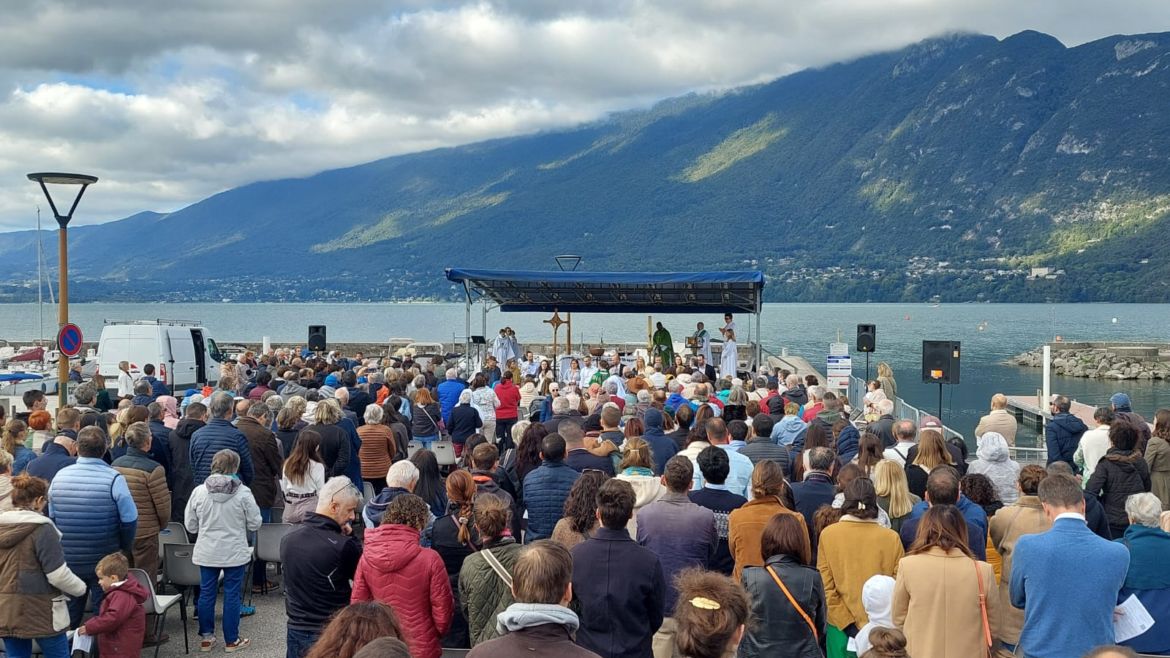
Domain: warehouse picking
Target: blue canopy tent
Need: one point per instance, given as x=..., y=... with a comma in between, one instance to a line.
x=612, y=292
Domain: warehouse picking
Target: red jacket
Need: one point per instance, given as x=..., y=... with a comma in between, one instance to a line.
x=120, y=625
x=395, y=570
x=811, y=412
x=509, y=395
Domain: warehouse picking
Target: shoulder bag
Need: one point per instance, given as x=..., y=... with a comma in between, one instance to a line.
x=989, y=645
x=808, y=620
x=497, y=567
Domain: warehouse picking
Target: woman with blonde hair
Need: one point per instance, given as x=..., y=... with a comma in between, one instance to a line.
x=335, y=448
x=636, y=467
x=885, y=377
x=889, y=481
x=745, y=526
x=932, y=452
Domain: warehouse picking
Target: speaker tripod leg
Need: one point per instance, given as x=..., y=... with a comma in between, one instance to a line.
x=940, y=417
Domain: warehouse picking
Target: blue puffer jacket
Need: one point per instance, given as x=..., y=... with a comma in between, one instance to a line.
x=1062, y=434
x=449, y=391
x=545, y=491
x=21, y=458
x=848, y=444
x=218, y=434
x=91, y=504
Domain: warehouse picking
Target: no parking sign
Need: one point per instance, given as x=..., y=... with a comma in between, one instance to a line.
x=69, y=339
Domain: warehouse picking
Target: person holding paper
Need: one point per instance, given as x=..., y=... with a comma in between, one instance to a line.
x=1148, y=577
x=1066, y=574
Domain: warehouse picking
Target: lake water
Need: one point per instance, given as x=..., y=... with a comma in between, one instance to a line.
x=805, y=329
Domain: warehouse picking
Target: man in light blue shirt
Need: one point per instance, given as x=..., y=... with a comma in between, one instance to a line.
x=531, y=366
x=739, y=478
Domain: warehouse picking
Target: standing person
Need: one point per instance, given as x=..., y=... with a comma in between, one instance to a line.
x=663, y=346
x=714, y=496
x=885, y=376
x=845, y=569
x=454, y=537
x=682, y=534
x=662, y=447
x=356, y=627
x=905, y=437
x=729, y=356
x=932, y=452
x=430, y=482
x=222, y=512
x=396, y=570
x=1023, y=517
x=1121, y=473
x=703, y=341
x=894, y=497
x=1063, y=432
x=267, y=462
x=378, y=447
x=1121, y=409
x=746, y=524
x=994, y=461
x=449, y=391
x=618, y=583
x=539, y=624
x=760, y=445
x=1148, y=577
x=1158, y=457
x=943, y=597
x=1094, y=444
x=15, y=432
x=303, y=477
x=484, y=399
x=509, y=411
x=464, y=422
x=788, y=596
x=120, y=625
x=194, y=417
x=483, y=580
x=320, y=557
x=712, y=614
x=148, y=486
x=219, y=434
x=425, y=419
x=93, y=509
x=335, y=442
x=817, y=489
x=125, y=380
x=546, y=488
x=999, y=420
x=580, y=516
x=1040, y=581
x=34, y=576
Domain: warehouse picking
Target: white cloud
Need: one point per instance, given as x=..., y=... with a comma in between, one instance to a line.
x=170, y=102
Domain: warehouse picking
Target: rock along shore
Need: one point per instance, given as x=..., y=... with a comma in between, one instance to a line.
x=1102, y=360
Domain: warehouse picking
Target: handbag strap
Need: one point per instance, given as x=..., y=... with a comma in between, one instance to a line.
x=429, y=417
x=983, y=607
x=497, y=567
x=808, y=620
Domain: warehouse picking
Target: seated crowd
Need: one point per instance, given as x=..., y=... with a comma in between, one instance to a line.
x=650, y=513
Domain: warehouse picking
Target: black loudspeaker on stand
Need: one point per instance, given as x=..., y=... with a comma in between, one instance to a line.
x=867, y=343
x=940, y=365
x=317, y=341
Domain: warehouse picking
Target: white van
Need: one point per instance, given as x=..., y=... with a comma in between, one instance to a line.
x=184, y=356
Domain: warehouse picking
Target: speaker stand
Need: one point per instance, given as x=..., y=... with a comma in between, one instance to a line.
x=940, y=400
x=867, y=369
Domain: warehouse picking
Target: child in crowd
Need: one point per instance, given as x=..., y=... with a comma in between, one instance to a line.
x=120, y=625
x=887, y=643
x=877, y=596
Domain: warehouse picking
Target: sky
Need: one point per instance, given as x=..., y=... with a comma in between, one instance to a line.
x=170, y=102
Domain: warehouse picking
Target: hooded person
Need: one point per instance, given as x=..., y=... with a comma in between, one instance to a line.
x=662, y=447
x=877, y=597
x=789, y=431
x=994, y=461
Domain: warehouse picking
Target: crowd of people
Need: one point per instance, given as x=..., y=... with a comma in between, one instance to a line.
x=643, y=511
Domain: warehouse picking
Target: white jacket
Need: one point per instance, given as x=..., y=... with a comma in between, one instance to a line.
x=222, y=512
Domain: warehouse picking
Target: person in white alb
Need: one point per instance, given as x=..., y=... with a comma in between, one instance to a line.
x=125, y=380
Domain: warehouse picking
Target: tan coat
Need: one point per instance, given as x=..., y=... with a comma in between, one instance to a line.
x=1158, y=457
x=845, y=565
x=936, y=604
x=999, y=420
x=1024, y=517
x=745, y=530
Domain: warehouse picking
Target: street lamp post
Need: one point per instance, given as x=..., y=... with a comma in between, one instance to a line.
x=51, y=178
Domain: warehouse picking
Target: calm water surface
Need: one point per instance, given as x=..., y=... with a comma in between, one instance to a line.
x=989, y=333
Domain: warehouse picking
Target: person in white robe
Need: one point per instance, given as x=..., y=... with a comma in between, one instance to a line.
x=729, y=359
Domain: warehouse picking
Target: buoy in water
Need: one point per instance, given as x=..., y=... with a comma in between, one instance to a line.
x=1114, y=320
x=907, y=318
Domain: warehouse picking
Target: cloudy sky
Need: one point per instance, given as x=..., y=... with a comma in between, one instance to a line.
x=168, y=102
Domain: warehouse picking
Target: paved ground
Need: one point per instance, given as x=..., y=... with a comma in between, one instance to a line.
x=266, y=629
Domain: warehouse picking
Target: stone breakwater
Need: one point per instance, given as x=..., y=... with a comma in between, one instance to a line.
x=1102, y=360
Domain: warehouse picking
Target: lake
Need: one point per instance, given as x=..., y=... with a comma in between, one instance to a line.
x=989, y=334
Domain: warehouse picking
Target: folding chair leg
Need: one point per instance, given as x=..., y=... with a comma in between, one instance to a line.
x=159, y=623
x=183, y=617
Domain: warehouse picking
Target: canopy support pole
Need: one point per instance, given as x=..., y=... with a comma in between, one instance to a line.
x=759, y=340
x=467, y=326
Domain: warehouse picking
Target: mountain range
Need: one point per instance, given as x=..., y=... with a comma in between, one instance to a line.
x=961, y=168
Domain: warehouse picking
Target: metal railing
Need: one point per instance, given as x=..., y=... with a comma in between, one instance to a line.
x=902, y=408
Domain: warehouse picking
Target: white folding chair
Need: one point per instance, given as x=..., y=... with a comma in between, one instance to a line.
x=412, y=447
x=444, y=452
x=157, y=605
